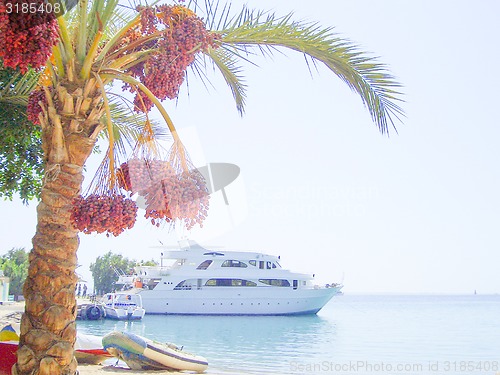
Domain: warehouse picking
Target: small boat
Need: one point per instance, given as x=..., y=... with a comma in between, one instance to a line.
x=88, y=349
x=140, y=353
x=123, y=306
x=91, y=311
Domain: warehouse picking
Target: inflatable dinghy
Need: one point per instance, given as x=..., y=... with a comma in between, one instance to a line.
x=140, y=353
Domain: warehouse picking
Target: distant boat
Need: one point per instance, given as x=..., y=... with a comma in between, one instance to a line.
x=140, y=353
x=123, y=306
x=198, y=281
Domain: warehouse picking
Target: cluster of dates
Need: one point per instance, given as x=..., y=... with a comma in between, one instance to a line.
x=28, y=31
x=137, y=175
x=180, y=36
x=34, y=108
x=169, y=195
x=103, y=213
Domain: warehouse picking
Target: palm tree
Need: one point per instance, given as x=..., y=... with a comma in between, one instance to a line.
x=149, y=52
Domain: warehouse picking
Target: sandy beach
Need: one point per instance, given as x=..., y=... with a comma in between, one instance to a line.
x=112, y=370
x=10, y=313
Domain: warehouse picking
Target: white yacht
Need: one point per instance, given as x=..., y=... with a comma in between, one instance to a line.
x=197, y=281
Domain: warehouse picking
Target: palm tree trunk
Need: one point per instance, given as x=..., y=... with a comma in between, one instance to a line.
x=48, y=327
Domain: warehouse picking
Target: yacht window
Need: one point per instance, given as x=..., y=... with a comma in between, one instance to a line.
x=274, y=265
x=234, y=263
x=268, y=264
x=240, y=282
x=183, y=285
x=204, y=265
x=275, y=282
x=151, y=284
x=211, y=282
x=261, y=264
x=219, y=282
x=229, y=282
x=236, y=282
x=253, y=262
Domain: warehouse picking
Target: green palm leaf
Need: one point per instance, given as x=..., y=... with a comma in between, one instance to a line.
x=17, y=90
x=226, y=63
x=129, y=125
x=263, y=32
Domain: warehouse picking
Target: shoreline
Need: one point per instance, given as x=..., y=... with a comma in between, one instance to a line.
x=10, y=313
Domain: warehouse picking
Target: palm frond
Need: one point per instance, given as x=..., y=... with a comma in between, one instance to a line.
x=106, y=11
x=224, y=60
x=120, y=17
x=112, y=15
x=127, y=129
x=128, y=126
x=199, y=69
x=263, y=31
x=17, y=90
x=81, y=32
x=93, y=17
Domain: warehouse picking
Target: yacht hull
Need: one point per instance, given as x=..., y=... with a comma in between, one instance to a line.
x=259, y=301
x=124, y=314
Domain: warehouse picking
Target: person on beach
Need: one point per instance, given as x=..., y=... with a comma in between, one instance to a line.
x=84, y=290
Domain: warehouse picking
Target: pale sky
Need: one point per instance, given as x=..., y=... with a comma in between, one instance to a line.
x=416, y=212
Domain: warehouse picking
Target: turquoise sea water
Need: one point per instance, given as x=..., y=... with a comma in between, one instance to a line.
x=351, y=335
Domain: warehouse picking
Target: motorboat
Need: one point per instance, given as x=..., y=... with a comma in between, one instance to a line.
x=197, y=281
x=140, y=353
x=123, y=306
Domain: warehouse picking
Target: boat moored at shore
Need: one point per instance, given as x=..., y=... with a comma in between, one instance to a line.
x=198, y=281
x=123, y=306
